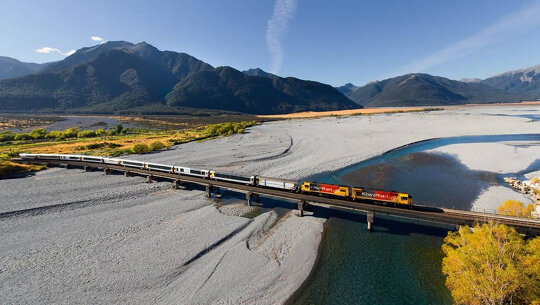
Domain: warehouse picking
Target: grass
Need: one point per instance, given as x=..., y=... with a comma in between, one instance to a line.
x=115, y=143
x=350, y=112
x=8, y=168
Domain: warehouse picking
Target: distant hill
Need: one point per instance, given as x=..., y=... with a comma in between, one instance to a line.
x=347, y=88
x=119, y=76
x=524, y=81
x=226, y=88
x=11, y=67
x=420, y=89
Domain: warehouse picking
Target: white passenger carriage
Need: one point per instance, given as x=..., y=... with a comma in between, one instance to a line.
x=277, y=183
x=92, y=159
x=70, y=157
x=159, y=167
x=191, y=171
x=131, y=163
x=40, y=156
x=232, y=178
x=112, y=161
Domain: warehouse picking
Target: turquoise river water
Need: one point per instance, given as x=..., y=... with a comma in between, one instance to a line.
x=399, y=262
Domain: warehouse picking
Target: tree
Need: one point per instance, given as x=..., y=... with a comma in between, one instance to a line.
x=7, y=136
x=140, y=148
x=86, y=134
x=156, y=145
x=118, y=129
x=39, y=133
x=515, y=208
x=491, y=265
x=23, y=137
x=55, y=134
x=71, y=132
x=101, y=132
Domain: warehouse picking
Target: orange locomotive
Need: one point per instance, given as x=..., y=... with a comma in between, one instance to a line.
x=325, y=189
x=357, y=193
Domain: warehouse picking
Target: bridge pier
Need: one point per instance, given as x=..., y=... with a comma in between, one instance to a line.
x=67, y=166
x=87, y=168
x=301, y=207
x=249, y=196
x=370, y=220
x=209, y=191
x=177, y=183
x=127, y=174
x=107, y=171
x=149, y=179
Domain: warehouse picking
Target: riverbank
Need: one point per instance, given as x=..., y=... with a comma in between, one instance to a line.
x=132, y=242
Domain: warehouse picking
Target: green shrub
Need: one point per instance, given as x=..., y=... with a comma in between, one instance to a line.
x=140, y=149
x=156, y=145
x=55, y=134
x=71, y=132
x=101, y=132
x=86, y=134
x=7, y=136
x=228, y=128
x=118, y=129
x=39, y=133
x=113, y=145
x=23, y=137
x=95, y=145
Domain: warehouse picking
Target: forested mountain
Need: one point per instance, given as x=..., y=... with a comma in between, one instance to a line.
x=119, y=75
x=418, y=89
x=11, y=67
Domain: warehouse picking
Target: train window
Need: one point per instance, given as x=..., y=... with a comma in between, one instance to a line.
x=159, y=166
x=132, y=163
x=403, y=198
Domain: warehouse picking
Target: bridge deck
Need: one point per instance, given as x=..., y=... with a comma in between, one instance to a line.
x=426, y=213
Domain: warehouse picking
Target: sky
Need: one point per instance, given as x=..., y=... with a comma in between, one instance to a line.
x=334, y=42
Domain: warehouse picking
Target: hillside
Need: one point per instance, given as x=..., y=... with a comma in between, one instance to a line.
x=229, y=89
x=117, y=76
x=347, y=88
x=11, y=67
x=524, y=81
x=420, y=89
x=258, y=72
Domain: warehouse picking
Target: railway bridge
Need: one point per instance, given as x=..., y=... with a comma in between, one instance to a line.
x=420, y=212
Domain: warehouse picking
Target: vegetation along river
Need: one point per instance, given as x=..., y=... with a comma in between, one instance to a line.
x=399, y=262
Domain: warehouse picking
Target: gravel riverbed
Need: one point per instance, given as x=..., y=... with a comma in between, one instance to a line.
x=75, y=237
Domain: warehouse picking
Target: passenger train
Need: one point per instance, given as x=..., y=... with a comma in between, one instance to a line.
x=359, y=194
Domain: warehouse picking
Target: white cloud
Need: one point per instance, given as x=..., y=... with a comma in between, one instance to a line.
x=98, y=39
x=506, y=28
x=276, y=27
x=47, y=50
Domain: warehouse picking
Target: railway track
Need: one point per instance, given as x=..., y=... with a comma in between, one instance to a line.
x=420, y=212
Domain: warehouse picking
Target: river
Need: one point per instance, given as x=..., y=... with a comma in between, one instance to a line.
x=399, y=262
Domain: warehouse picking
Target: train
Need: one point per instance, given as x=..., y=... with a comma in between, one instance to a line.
x=354, y=193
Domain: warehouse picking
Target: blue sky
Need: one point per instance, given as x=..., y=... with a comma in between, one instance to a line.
x=329, y=41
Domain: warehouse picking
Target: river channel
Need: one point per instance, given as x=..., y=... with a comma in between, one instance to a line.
x=399, y=262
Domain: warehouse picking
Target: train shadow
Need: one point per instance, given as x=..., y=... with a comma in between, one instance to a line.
x=382, y=223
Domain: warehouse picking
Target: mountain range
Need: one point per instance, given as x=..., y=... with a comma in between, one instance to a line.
x=120, y=76
x=524, y=81
x=11, y=67
x=418, y=89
